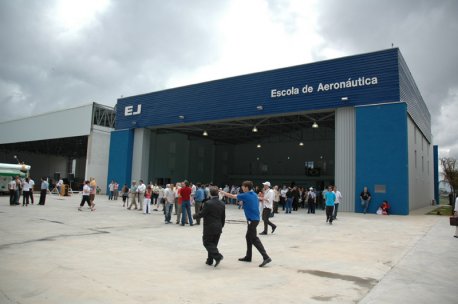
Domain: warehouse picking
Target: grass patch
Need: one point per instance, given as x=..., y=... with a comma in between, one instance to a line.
x=442, y=210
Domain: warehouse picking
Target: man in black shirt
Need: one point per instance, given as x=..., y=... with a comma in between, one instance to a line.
x=214, y=215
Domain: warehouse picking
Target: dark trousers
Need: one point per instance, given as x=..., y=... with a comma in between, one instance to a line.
x=282, y=202
x=42, y=196
x=25, y=197
x=266, y=219
x=253, y=240
x=336, y=208
x=12, y=197
x=311, y=207
x=84, y=199
x=210, y=242
x=31, y=196
x=329, y=212
x=276, y=207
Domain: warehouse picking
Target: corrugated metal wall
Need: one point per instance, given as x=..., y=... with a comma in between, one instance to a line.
x=416, y=106
x=345, y=156
x=239, y=97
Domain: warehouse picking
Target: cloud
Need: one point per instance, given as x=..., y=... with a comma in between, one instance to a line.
x=421, y=29
x=126, y=48
x=57, y=54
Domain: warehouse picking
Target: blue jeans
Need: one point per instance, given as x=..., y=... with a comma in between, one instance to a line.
x=289, y=204
x=168, y=212
x=365, y=204
x=186, y=208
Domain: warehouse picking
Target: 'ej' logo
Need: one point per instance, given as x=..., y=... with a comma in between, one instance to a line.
x=129, y=110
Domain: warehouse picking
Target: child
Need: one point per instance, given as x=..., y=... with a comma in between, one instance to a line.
x=125, y=195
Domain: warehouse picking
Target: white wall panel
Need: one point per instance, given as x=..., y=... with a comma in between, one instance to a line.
x=60, y=124
x=98, y=148
x=345, y=156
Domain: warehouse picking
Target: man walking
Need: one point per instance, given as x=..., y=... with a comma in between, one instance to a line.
x=133, y=195
x=339, y=199
x=330, y=198
x=169, y=196
x=251, y=209
x=214, y=215
x=267, y=202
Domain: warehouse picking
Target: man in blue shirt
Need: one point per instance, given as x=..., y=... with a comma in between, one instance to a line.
x=199, y=197
x=251, y=208
x=330, y=198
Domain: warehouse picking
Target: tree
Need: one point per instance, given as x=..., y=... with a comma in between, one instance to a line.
x=450, y=174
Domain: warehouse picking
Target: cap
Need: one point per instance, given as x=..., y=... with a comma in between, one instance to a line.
x=266, y=184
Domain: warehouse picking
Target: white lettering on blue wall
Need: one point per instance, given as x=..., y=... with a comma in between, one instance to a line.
x=129, y=110
x=325, y=87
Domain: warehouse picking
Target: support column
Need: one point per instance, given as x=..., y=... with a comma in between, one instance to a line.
x=345, y=156
x=140, y=157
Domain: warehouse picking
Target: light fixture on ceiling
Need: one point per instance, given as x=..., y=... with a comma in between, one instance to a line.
x=181, y=117
x=301, y=144
x=205, y=133
x=255, y=129
x=258, y=146
x=260, y=108
x=315, y=125
x=344, y=99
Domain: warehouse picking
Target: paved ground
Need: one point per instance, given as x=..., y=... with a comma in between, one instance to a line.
x=55, y=254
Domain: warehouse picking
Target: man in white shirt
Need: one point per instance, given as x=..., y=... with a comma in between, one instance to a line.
x=141, y=193
x=25, y=192
x=32, y=184
x=169, y=196
x=12, y=188
x=339, y=199
x=268, y=202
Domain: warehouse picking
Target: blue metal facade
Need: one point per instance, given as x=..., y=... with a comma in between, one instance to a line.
x=120, y=160
x=240, y=96
x=382, y=156
x=379, y=85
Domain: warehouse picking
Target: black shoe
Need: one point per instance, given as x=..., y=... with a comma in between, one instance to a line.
x=182, y=224
x=263, y=233
x=218, y=260
x=455, y=236
x=273, y=229
x=209, y=262
x=266, y=261
x=245, y=259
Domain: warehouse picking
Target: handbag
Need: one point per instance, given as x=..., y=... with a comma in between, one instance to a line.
x=453, y=221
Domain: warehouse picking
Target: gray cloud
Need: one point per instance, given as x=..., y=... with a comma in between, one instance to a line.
x=129, y=49
x=425, y=31
x=135, y=47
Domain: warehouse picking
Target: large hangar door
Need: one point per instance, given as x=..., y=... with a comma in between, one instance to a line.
x=283, y=149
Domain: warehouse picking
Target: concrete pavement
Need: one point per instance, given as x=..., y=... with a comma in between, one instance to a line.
x=55, y=254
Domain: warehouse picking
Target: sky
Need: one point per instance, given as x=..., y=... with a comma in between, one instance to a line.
x=62, y=54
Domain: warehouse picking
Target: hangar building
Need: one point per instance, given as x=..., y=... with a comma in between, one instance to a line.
x=72, y=143
x=354, y=121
